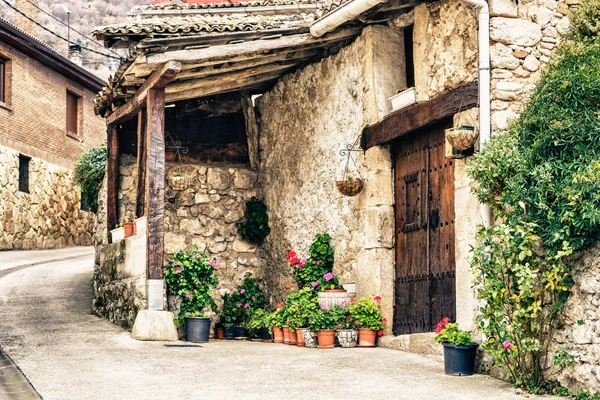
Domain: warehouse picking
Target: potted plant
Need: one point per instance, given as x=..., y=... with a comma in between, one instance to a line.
x=324, y=322
x=140, y=224
x=118, y=233
x=129, y=228
x=275, y=323
x=258, y=325
x=403, y=98
x=351, y=186
x=239, y=306
x=220, y=331
x=347, y=335
x=365, y=312
x=459, y=348
x=462, y=137
x=177, y=182
x=301, y=307
x=191, y=276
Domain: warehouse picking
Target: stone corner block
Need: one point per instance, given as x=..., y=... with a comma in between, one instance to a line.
x=515, y=31
x=154, y=326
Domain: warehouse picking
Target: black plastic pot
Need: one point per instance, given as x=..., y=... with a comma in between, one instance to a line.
x=263, y=333
x=197, y=329
x=230, y=333
x=459, y=360
x=240, y=331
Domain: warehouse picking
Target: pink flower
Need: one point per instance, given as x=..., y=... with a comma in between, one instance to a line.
x=197, y=255
x=507, y=345
x=246, y=305
x=303, y=261
x=343, y=304
x=328, y=276
x=324, y=307
x=179, y=269
x=242, y=291
x=253, y=297
x=213, y=263
x=298, y=266
x=175, y=264
x=238, y=305
x=314, y=284
x=188, y=295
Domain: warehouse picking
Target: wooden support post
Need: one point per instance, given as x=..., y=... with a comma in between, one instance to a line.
x=142, y=155
x=251, y=130
x=155, y=182
x=112, y=180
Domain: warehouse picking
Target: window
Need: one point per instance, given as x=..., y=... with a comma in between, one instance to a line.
x=24, y=173
x=2, y=81
x=409, y=54
x=72, y=114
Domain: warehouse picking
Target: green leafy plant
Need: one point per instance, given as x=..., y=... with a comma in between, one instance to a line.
x=191, y=276
x=89, y=173
x=276, y=318
x=448, y=332
x=316, y=272
x=327, y=318
x=239, y=306
x=258, y=320
x=256, y=227
x=300, y=308
x=365, y=312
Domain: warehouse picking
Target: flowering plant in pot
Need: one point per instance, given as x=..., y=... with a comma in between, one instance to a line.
x=459, y=348
x=347, y=334
x=324, y=322
x=311, y=272
x=367, y=315
x=258, y=325
x=301, y=306
x=275, y=322
x=239, y=306
x=191, y=277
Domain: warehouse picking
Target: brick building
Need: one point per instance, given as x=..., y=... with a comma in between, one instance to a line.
x=46, y=121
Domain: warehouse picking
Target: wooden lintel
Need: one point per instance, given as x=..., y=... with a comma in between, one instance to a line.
x=404, y=121
x=158, y=80
x=251, y=130
x=142, y=154
x=155, y=181
x=112, y=180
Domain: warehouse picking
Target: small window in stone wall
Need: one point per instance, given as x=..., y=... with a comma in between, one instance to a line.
x=24, y=173
x=213, y=130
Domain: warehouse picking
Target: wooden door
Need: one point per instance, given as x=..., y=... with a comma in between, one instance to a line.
x=425, y=289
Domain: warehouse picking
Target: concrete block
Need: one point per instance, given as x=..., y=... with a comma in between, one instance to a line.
x=155, y=294
x=155, y=326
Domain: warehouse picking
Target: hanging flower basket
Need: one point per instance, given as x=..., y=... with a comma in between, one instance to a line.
x=350, y=187
x=178, y=182
x=462, y=137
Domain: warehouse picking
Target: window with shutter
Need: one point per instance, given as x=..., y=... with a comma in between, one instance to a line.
x=2, y=81
x=72, y=114
x=24, y=173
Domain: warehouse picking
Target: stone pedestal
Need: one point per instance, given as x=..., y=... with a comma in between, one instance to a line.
x=154, y=325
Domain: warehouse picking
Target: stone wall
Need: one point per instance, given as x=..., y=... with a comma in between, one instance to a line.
x=47, y=217
x=305, y=120
x=580, y=335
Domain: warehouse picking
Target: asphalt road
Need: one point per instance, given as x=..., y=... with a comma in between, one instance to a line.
x=67, y=353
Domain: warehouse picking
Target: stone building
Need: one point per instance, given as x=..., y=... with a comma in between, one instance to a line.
x=46, y=121
x=309, y=81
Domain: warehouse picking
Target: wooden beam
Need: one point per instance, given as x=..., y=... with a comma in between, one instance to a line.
x=251, y=130
x=248, y=49
x=158, y=80
x=155, y=184
x=112, y=180
x=224, y=87
x=142, y=154
x=402, y=122
x=220, y=79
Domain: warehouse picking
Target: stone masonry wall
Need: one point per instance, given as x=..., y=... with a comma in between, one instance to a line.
x=305, y=120
x=47, y=217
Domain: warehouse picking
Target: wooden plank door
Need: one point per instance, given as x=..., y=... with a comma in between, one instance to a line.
x=425, y=289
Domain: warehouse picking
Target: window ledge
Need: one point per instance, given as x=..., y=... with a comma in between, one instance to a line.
x=72, y=135
x=5, y=106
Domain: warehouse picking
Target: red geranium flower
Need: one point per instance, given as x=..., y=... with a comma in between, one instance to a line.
x=280, y=305
x=377, y=298
x=380, y=333
x=294, y=261
x=384, y=320
x=352, y=300
x=291, y=255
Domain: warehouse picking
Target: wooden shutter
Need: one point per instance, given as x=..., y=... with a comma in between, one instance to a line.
x=72, y=101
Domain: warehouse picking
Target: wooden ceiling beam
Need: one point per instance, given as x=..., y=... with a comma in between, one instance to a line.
x=158, y=80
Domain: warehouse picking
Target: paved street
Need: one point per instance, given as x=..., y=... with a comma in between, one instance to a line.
x=66, y=353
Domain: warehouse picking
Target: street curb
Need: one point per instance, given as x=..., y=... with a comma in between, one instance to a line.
x=18, y=380
x=8, y=271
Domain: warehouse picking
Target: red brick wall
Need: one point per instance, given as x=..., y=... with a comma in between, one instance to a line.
x=33, y=120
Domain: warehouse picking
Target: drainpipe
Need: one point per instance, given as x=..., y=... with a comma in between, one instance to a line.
x=483, y=16
x=337, y=17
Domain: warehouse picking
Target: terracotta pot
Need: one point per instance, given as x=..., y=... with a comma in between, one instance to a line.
x=293, y=337
x=220, y=333
x=286, y=335
x=128, y=229
x=277, y=334
x=335, y=291
x=300, y=335
x=366, y=337
x=326, y=338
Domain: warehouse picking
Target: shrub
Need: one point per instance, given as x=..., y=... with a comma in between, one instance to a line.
x=256, y=227
x=327, y=318
x=191, y=276
x=89, y=173
x=258, y=320
x=365, y=311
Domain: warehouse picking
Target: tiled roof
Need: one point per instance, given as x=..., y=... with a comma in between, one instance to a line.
x=328, y=6
x=228, y=4
x=205, y=23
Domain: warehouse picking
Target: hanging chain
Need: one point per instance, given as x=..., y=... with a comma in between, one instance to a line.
x=347, y=152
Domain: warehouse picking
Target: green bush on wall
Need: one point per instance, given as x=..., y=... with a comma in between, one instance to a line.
x=256, y=227
x=89, y=173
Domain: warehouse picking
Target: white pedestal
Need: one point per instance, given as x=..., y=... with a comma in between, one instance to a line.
x=155, y=294
x=154, y=325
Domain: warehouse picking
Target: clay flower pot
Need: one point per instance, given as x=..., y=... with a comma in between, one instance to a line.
x=293, y=337
x=286, y=335
x=277, y=334
x=300, y=335
x=128, y=226
x=326, y=338
x=220, y=333
x=366, y=337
